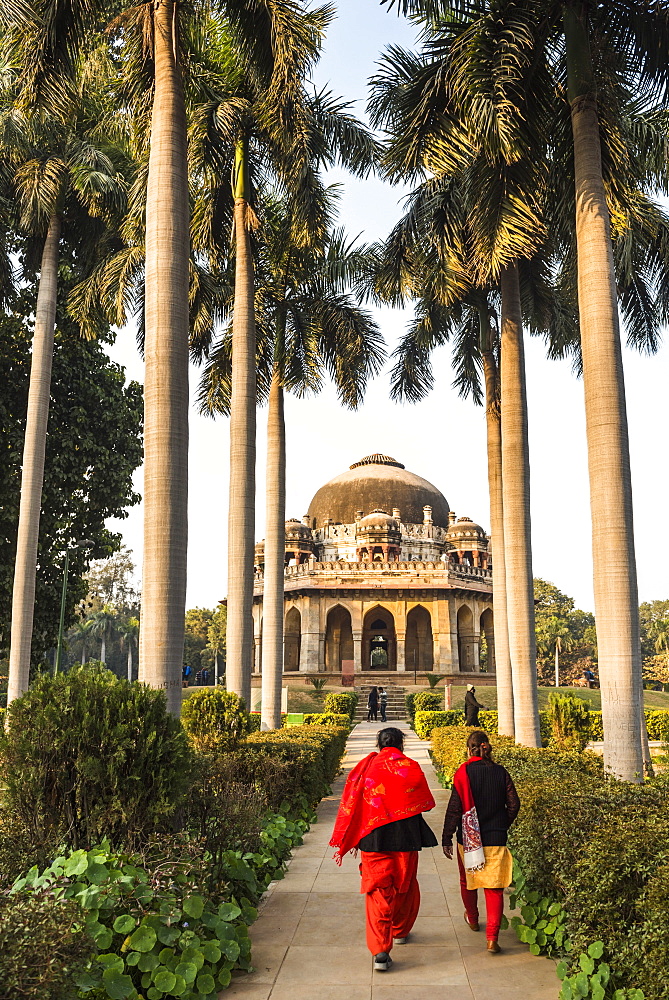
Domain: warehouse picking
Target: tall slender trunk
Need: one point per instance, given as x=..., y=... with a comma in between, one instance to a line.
x=84, y=658
x=166, y=374
x=517, y=532
x=614, y=561
x=103, y=648
x=275, y=550
x=129, y=661
x=32, y=474
x=241, y=515
x=557, y=666
x=505, y=724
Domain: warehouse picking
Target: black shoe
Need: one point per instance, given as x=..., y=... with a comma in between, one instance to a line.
x=382, y=962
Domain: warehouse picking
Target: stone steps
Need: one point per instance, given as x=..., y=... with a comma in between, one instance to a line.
x=396, y=708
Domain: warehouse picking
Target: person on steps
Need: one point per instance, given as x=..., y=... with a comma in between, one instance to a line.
x=383, y=703
x=372, y=705
x=380, y=814
x=472, y=707
x=483, y=805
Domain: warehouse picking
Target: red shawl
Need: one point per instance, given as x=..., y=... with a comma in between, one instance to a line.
x=474, y=856
x=382, y=788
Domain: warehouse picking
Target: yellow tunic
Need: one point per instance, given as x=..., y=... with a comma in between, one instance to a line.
x=498, y=871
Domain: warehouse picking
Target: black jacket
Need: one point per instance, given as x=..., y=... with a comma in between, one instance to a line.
x=471, y=709
x=496, y=801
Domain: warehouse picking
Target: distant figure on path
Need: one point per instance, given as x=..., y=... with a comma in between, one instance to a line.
x=380, y=815
x=383, y=703
x=483, y=805
x=372, y=705
x=187, y=672
x=472, y=707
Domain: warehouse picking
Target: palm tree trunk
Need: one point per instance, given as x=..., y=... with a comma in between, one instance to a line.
x=505, y=724
x=84, y=658
x=103, y=648
x=241, y=515
x=166, y=377
x=614, y=561
x=557, y=667
x=32, y=475
x=275, y=550
x=516, y=504
x=129, y=662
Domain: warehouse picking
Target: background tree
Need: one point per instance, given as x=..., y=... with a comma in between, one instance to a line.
x=129, y=634
x=197, y=624
x=93, y=447
x=105, y=623
x=216, y=639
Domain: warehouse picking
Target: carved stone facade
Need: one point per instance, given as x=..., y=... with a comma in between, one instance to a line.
x=382, y=591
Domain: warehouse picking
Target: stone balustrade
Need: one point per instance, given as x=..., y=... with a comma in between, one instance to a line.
x=446, y=573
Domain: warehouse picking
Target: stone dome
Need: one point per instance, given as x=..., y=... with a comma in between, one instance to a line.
x=296, y=529
x=379, y=519
x=465, y=528
x=377, y=483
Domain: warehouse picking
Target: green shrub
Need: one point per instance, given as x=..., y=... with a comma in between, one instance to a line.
x=488, y=720
x=215, y=720
x=409, y=700
x=86, y=755
x=315, y=752
x=658, y=724
x=327, y=719
x=428, y=701
x=426, y=722
x=341, y=703
x=43, y=947
x=570, y=721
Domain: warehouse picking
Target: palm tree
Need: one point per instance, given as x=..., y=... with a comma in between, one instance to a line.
x=83, y=630
x=61, y=173
x=553, y=636
x=309, y=326
x=271, y=40
x=620, y=128
x=489, y=147
x=129, y=633
x=103, y=622
x=627, y=43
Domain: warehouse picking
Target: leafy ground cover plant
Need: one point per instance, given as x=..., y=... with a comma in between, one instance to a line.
x=43, y=947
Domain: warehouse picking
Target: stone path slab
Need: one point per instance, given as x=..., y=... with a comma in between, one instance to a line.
x=309, y=940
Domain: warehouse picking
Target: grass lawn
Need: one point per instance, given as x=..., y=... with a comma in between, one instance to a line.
x=488, y=697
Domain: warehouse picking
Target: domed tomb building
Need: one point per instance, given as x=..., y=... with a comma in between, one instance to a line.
x=381, y=576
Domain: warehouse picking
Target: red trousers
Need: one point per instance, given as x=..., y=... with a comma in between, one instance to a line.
x=392, y=896
x=494, y=904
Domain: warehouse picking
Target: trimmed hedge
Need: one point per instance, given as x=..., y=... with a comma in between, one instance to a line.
x=314, y=752
x=327, y=719
x=214, y=720
x=341, y=703
x=592, y=868
x=428, y=701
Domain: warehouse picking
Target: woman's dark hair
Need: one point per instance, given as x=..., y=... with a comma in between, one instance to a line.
x=478, y=744
x=390, y=737
x=373, y=689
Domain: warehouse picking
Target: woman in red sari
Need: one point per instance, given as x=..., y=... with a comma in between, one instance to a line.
x=380, y=815
x=482, y=807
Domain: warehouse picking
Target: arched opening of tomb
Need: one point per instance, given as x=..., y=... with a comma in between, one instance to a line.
x=467, y=640
x=257, y=650
x=292, y=635
x=487, y=642
x=338, y=638
x=379, y=645
x=419, y=649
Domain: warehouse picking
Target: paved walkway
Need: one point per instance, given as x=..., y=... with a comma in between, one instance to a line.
x=309, y=940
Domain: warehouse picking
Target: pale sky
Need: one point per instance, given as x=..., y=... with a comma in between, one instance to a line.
x=442, y=438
